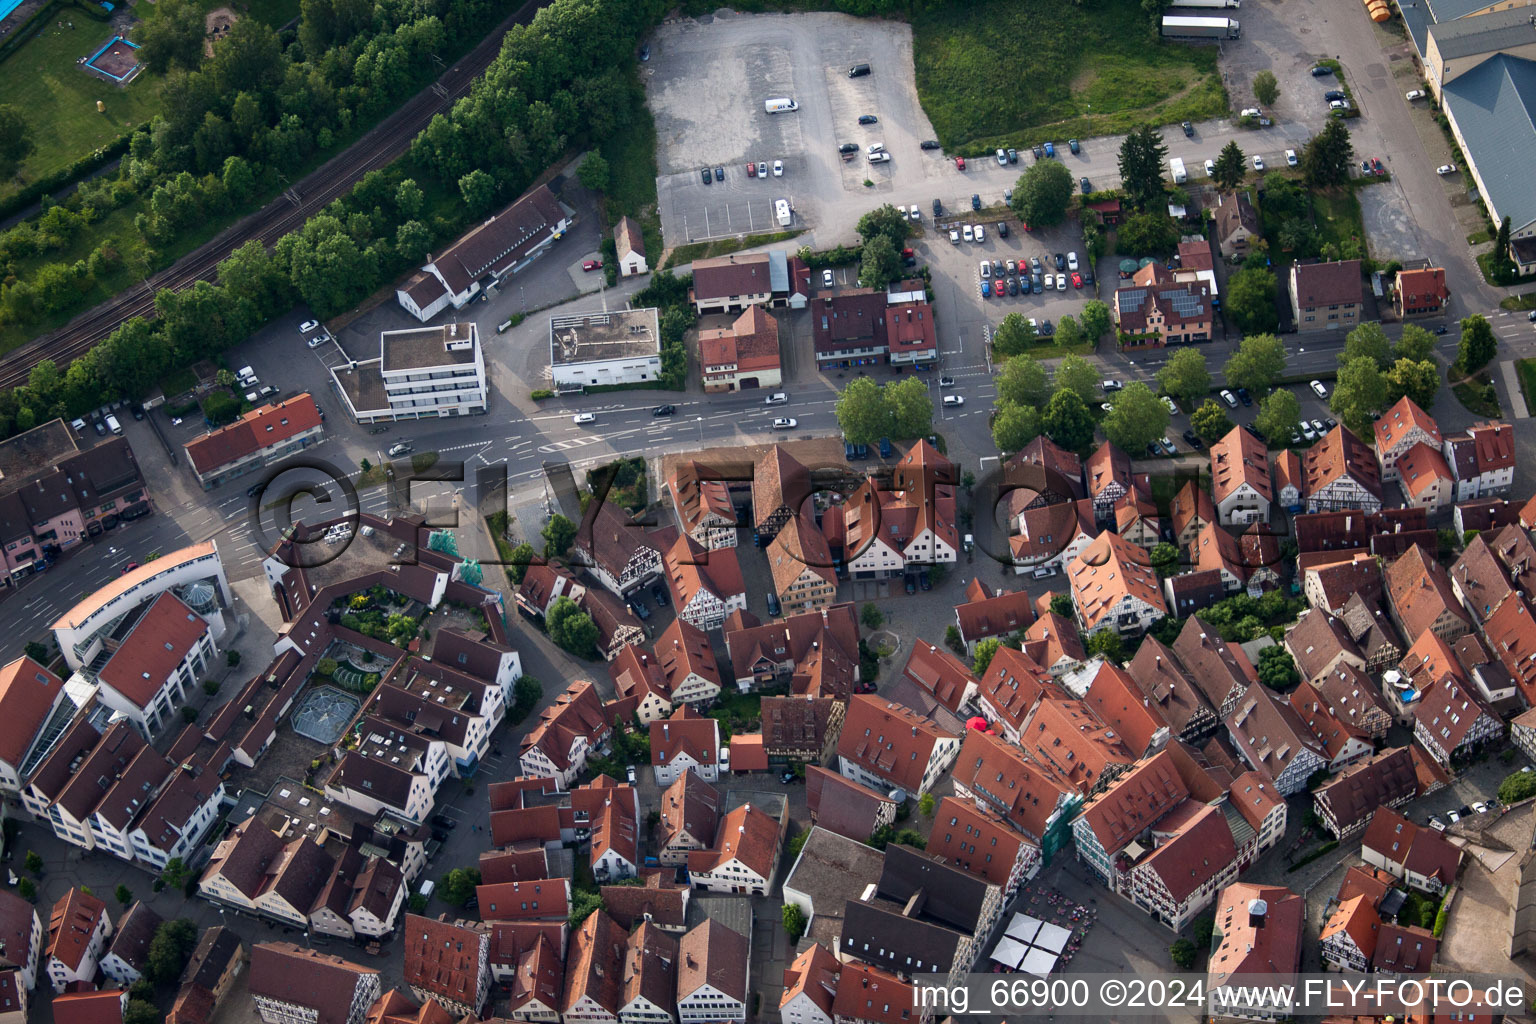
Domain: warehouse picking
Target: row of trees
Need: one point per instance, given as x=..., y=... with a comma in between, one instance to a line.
x=1029, y=404
x=1374, y=373
x=556, y=73
x=867, y=411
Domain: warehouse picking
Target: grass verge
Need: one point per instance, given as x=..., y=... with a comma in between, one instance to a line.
x=631, y=156
x=723, y=246
x=1526, y=368
x=1093, y=70
x=1492, y=274
x=1479, y=395
x=1523, y=301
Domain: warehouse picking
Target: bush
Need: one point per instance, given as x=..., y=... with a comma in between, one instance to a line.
x=540, y=393
x=1182, y=953
x=232, y=658
x=1517, y=787
x=211, y=686
x=872, y=616
x=794, y=922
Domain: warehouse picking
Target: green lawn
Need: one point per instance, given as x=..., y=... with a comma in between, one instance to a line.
x=1337, y=216
x=1026, y=71
x=43, y=80
x=1527, y=370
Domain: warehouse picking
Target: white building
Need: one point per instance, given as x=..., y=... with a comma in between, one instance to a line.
x=604, y=349
x=390, y=770
x=78, y=929
x=630, y=248
x=156, y=665
x=30, y=698
x=420, y=373
x=712, y=975
x=486, y=255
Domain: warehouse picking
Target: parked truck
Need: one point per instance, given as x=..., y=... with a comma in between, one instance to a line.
x=1176, y=165
x=1181, y=26
x=1226, y=4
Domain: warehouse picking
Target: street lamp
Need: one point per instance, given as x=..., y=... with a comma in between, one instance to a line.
x=700, y=421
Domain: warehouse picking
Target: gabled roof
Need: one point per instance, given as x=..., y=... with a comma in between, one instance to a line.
x=1118, y=703
x=1238, y=459
x=1338, y=455
x=1423, y=467
x=778, y=481
x=1023, y=792
x=292, y=974
x=260, y=428
x=1359, y=573
x=691, y=568
x=685, y=732
x=1191, y=503
x=1418, y=849
x=444, y=959
x=868, y=994
x=1421, y=591
x=689, y=806
x=888, y=740
x=650, y=966
x=1107, y=465
x=1013, y=684
x=1269, y=733
x=88, y=1007
x=968, y=835
x=596, y=948
x=683, y=650
x=1135, y=802
x=1359, y=789
x=1052, y=639
x=841, y=805
x=1061, y=466
x=1267, y=943
x=1316, y=640
x=609, y=537
x=1213, y=664
x=154, y=649
x=134, y=932
x=501, y=240
x=1511, y=634
x=1108, y=570
x=1064, y=734
x=28, y=692
x=1335, y=282
x=748, y=835
x=799, y=548
x=1495, y=444
x=659, y=897
x=1254, y=797
x=697, y=492
x=1289, y=472
x=1236, y=211
x=1356, y=917
x=814, y=974
x=1399, y=421
x=995, y=616
x=1165, y=685
x=576, y=712
x=940, y=673
x=712, y=954
x=1448, y=710
x=1480, y=577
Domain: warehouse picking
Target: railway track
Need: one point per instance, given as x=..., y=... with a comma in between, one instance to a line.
x=380, y=147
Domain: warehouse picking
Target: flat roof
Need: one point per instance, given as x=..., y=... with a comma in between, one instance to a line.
x=363, y=387
x=27, y=456
x=833, y=869
x=418, y=348
x=597, y=336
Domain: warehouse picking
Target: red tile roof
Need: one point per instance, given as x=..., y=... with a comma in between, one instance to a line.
x=1064, y=734
x=71, y=924
x=712, y=954
x=443, y=959
x=1336, y=282
x=1023, y=792
x=154, y=649
x=1118, y=703
x=746, y=834
x=842, y=805
x=996, y=616
x=1237, y=459
x=898, y=744
x=89, y=1007
x=1422, y=467
x=969, y=836
x=685, y=732
x=1399, y=421
x=1107, y=570
x=1421, y=592
x=1135, y=802
x=1199, y=851
x=1052, y=639
x=260, y=428
x=814, y=973
x=1013, y=684
x=1274, y=948
x=1338, y=455
x=868, y=994
x=27, y=693
x=940, y=673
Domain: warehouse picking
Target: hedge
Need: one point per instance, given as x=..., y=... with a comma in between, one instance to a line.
x=81, y=168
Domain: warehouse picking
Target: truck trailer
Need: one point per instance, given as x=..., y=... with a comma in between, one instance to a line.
x=1225, y=4
x=1179, y=26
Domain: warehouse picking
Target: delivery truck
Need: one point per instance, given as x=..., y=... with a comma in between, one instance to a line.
x=1187, y=27
x=1176, y=165
x=779, y=105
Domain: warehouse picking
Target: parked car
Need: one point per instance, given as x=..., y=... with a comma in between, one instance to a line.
x=719, y=173
x=1444, y=169
x=1479, y=807
x=1077, y=279
x=1333, y=95
x=880, y=158
x=986, y=289
x=629, y=774
x=1229, y=398
x=708, y=177
x=1436, y=822
x=1002, y=229
x=777, y=398
x=1112, y=385
x=1013, y=156
x=444, y=822
x=1085, y=185
x=946, y=382
x=938, y=208
x=975, y=201
x=1290, y=158
x=826, y=278
x=981, y=233
x=639, y=609
x=924, y=582
x=319, y=339
x=308, y=325
x=1244, y=397
x=868, y=119
x=1193, y=440
x=970, y=232
x=592, y=265
x=1320, y=70
x=399, y=449
x=1173, y=410
x=1414, y=94
x=1061, y=282
x=1318, y=389
x=848, y=147
x=751, y=170
x=1168, y=447
x=1050, y=150
x=1002, y=158
x=1073, y=146
x=773, y=603
x=929, y=144
x=959, y=163
x=1061, y=261
x=1258, y=162
x=1189, y=129
x=659, y=595
x=1210, y=168
x=954, y=236
x=911, y=585
x=954, y=400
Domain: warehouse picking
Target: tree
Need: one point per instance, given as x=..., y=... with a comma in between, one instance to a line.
x=1184, y=376
x=1022, y=380
x=1164, y=558
x=15, y=139
x=863, y=412
x=985, y=650
x=1265, y=88
x=36, y=651
x=1068, y=422
x=124, y=895
x=1277, y=669
x=1258, y=362
x=1069, y=333
x=1077, y=374
x=584, y=903
x=1501, y=242
x=571, y=628
x=1279, y=415
x=1359, y=391
x=1327, y=156
x=1041, y=196
x=594, y=174
x=1517, y=787
x=1136, y=418
x=1150, y=232
x=34, y=863
x=879, y=263
x=169, y=949
x=413, y=240
x=1210, y=421
x=1106, y=643
x=1230, y=167
x=478, y=190
x=27, y=889
x=794, y=922
x=1014, y=425
x=1061, y=604
x=884, y=222
x=458, y=885
x=409, y=198
x=175, y=873
x=1368, y=340
x=1141, y=166
x=558, y=535
x=1478, y=345
x=872, y=616
x=1415, y=343
x=1013, y=336
x=1419, y=381
x=925, y=805
x=521, y=558
x=911, y=408
x=138, y=1011
x=173, y=37
x=189, y=714
x=1095, y=319
x=1182, y=953
x=1251, y=300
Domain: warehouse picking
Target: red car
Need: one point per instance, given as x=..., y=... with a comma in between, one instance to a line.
x=1377, y=164
x=959, y=163
x=751, y=170
x=1077, y=280
x=592, y=265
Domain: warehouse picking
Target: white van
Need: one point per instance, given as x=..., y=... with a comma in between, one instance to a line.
x=113, y=425
x=780, y=105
